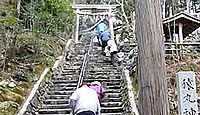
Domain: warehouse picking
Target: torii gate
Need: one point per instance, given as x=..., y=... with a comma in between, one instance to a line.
x=93, y=10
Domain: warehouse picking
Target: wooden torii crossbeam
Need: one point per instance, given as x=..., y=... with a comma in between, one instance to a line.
x=94, y=10
x=83, y=6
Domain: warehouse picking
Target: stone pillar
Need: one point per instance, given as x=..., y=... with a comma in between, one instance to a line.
x=77, y=26
x=163, y=9
x=180, y=32
x=111, y=26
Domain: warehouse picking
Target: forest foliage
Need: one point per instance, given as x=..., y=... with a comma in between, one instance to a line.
x=32, y=34
x=38, y=18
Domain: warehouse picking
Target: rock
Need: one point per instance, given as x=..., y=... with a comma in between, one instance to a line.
x=20, y=76
x=35, y=79
x=8, y=95
x=12, y=85
x=8, y=108
x=6, y=104
x=3, y=83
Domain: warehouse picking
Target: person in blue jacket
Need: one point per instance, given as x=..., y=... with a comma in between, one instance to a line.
x=101, y=28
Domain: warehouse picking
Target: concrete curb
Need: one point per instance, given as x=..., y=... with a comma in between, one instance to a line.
x=32, y=94
x=130, y=92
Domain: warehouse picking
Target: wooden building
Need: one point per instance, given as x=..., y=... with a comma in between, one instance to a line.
x=180, y=26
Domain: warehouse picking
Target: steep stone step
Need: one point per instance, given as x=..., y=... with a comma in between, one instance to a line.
x=110, y=77
x=118, y=113
x=54, y=111
x=110, y=99
x=54, y=97
x=112, y=110
x=64, y=85
x=69, y=78
x=71, y=71
x=61, y=89
x=74, y=78
x=59, y=92
x=102, y=71
x=87, y=80
x=52, y=106
x=111, y=104
x=64, y=81
x=56, y=101
x=73, y=67
x=105, y=73
x=102, y=80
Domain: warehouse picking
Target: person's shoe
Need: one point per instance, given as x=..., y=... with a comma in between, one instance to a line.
x=103, y=53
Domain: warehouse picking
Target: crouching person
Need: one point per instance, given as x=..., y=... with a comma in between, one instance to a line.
x=84, y=101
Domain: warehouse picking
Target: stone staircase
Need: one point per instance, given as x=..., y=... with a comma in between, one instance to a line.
x=53, y=97
x=100, y=69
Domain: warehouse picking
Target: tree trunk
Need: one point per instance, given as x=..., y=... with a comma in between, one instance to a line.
x=151, y=64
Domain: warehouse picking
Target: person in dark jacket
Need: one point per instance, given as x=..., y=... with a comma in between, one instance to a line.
x=105, y=36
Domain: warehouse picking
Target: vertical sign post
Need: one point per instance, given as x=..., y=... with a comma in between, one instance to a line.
x=187, y=96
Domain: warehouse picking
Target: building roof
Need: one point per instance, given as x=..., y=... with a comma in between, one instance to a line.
x=190, y=24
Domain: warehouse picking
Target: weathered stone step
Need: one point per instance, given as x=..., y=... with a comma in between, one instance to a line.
x=56, y=101
x=111, y=104
x=121, y=113
x=69, y=78
x=111, y=95
x=52, y=114
x=73, y=67
x=102, y=70
x=113, y=76
x=112, y=110
x=57, y=96
x=67, y=74
x=108, y=105
x=111, y=83
x=104, y=73
x=99, y=65
x=67, y=92
x=54, y=111
x=71, y=71
x=107, y=91
x=59, y=92
x=64, y=81
x=117, y=99
x=102, y=80
x=56, y=106
x=64, y=85
x=88, y=77
x=61, y=89
x=108, y=97
x=86, y=80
